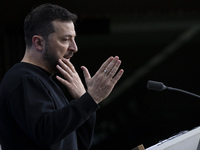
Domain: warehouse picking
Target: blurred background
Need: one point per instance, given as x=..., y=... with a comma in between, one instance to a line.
x=156, y=40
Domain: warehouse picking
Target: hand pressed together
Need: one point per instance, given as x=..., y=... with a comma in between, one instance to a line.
x=99, y=86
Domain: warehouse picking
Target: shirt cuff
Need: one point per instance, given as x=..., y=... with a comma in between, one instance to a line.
x=88, y=105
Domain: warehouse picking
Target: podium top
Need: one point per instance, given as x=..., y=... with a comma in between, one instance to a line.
x=185, y=140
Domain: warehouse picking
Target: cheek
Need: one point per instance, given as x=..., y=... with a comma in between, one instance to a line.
x=59, y=48
x=63, y=50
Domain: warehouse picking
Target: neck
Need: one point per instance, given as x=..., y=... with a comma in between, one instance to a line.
x=36, y=60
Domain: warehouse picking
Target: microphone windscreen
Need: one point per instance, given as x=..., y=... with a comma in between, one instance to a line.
x=154, y=85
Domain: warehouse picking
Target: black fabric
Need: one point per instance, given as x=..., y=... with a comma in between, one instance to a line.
x=36, y=115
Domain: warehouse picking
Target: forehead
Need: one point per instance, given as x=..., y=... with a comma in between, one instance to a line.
x=64, y=27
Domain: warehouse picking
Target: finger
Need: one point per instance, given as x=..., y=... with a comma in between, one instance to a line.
x=85, y=72
x=63, y=72
x=114, y=69
x=105, y=64
x=69, y=64
x=65, y=67
x=61, y=80
x=118, y=76
x=112, y=64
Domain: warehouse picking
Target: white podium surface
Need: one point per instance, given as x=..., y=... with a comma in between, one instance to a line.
x=186, y=140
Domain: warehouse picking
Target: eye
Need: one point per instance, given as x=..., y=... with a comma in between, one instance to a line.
x=66, y=39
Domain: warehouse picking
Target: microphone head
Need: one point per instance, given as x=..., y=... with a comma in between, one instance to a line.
x=154, y=85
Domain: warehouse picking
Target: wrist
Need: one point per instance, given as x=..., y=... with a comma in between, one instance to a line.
x=96, y=99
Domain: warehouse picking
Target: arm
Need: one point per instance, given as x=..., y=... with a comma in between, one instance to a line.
x=85, y=133
x=99, y=87
x=33, y=108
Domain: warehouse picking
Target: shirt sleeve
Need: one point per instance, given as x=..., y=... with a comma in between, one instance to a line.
x=33, y=108
x=85, y=133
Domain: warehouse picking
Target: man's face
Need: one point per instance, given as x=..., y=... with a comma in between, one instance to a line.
x=60, y=44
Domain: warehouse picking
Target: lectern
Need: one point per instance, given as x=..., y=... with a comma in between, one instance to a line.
x=185, y=140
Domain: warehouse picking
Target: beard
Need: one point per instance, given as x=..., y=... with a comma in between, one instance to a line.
x=50, y=58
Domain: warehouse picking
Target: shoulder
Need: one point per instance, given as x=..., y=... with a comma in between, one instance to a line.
x=22, y=71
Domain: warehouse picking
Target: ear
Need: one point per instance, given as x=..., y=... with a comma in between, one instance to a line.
x=38, y=42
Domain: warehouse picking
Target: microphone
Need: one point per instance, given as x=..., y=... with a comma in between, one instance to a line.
x=159, y=86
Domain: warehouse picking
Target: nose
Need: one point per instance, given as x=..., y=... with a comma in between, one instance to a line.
x=73, y=47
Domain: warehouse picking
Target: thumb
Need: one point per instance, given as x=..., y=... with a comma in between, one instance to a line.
x=85, y=73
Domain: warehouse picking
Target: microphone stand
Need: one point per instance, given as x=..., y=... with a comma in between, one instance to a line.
x=159, y=86
x=183, y=91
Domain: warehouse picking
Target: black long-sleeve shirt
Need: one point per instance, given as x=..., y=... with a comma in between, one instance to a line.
x=36, y=115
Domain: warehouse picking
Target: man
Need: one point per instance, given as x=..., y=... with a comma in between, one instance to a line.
x=34, y=113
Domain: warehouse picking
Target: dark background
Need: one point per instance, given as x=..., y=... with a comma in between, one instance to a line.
x=155, y=39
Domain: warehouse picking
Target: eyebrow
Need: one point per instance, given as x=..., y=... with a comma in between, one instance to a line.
x=69, y=35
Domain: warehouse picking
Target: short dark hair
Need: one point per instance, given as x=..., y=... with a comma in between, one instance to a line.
x=39, y=20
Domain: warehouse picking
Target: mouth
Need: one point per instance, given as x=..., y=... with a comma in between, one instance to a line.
x=68, y=56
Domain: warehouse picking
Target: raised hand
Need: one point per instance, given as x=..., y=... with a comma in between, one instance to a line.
x=71, y=78
x=102, y=83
